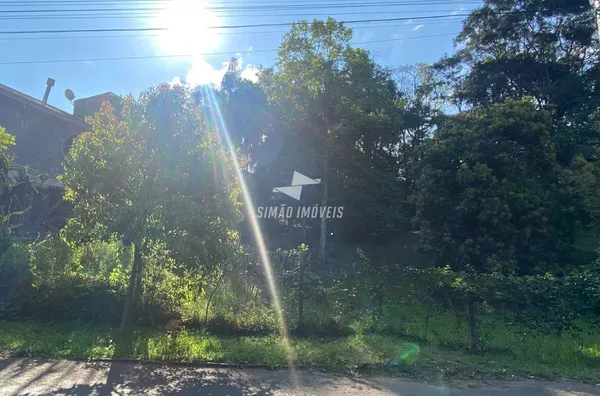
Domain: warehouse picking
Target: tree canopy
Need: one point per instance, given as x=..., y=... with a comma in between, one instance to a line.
x=490, y=193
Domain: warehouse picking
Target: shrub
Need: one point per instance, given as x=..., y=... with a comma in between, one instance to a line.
x=544, y=303
x=100, y=258
x=584, y=290
x=8, y=310
x=14, y=269
x=50, y=260
x=72, y=298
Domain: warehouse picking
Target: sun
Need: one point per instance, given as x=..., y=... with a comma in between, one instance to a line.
x=188, y=23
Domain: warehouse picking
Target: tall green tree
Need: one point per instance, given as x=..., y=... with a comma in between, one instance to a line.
x=305, y=83
x=491, y=195
x=544, y=49
x=154, y=174
x=373, y=125
x=247, y=115
x=516, y=48
x=341, y=118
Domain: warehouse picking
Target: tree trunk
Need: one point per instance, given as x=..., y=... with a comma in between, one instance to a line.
x=210, y=299
x=323, y=240
x=128, y=308
x=426, y=323
x=472, y=322
x=137, y=294
x=301, y=290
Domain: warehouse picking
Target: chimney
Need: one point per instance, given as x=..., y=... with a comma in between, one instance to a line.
x=49, y=85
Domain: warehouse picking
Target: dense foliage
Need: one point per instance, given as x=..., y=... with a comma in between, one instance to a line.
x=156, y=179
x=490, y=194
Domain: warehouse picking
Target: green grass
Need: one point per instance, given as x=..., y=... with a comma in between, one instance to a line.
x=521, y=355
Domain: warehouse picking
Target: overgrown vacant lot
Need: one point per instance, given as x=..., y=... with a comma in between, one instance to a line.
x=468, y=245
x=369, y=349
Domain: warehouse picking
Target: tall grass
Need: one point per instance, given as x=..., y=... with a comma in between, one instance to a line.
x=507, y=350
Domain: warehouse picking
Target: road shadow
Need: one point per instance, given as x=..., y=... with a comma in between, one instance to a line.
x=144, y=379
x=16, y=367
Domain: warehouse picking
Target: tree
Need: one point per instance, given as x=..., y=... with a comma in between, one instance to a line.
x=154, y=174
x=518, y=48
x=305, y=84
x=342, y=118
x=512, y=49
x=490, y=194
x=247, y=115
x=371, y=138
x=583, y=175
x=546, y=51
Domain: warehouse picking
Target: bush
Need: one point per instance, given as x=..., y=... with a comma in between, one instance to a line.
x=14, y=269
x=545, y=304
x=50, y=260
x=58, y=282
x=102, y=259
x=8, y=310
x=585, y=290
x=72, y=298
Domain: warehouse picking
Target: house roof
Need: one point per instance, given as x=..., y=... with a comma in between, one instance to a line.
x=48, y=109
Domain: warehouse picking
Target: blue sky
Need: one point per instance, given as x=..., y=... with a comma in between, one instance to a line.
x=188, y=33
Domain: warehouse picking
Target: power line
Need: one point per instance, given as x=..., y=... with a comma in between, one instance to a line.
x=144, y=15
x=431, y=17
x=152, y=15
x=377, y=26
x=259, y=4
x=204, y=54
x=138, y=12
x=150, y=29
x=241, y=8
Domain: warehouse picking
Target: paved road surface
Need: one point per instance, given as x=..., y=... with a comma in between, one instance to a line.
x=33, y=377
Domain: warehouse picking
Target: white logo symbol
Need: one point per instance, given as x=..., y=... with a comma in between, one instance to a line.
x=295, y=190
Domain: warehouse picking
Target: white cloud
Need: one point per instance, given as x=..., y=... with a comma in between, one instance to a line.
x=250, y=73
x=176, y=81
x=409, y=22
x=418, y=27
x=203, y=72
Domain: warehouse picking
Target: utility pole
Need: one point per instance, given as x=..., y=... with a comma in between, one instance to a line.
x=596, y=8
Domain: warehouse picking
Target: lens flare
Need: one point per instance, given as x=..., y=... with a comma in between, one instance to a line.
x=256, y=231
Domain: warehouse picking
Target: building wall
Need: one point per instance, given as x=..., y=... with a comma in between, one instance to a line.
x=89, y=106
x=42, y=140
x=40, y=137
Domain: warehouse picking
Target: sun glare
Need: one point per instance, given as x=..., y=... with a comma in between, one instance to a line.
x=188, y=23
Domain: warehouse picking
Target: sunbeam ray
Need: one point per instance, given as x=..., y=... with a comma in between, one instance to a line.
x=256, y=231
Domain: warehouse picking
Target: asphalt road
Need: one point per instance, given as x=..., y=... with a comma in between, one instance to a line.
x=34, y=377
